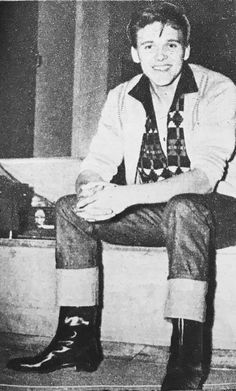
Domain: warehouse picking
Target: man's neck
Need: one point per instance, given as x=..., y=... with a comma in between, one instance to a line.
x=165, y=94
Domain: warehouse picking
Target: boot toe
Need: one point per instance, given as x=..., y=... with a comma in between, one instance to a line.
x=17, y=364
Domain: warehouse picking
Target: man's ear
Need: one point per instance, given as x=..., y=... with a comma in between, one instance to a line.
x=187, y=53
x=134, y=55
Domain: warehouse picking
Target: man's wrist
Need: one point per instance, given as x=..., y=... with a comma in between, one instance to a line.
x=133, y=194
x=86, y=177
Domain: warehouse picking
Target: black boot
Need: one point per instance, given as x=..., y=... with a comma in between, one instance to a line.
x=185, y=365
x=76, y=344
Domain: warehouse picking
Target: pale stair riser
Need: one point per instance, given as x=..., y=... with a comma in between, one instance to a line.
x=134, y=293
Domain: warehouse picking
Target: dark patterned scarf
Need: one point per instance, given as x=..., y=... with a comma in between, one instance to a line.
x=153, y=163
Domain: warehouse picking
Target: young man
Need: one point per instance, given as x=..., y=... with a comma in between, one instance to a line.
x=174, y=126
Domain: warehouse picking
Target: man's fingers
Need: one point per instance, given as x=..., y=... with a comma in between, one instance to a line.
x=91, y=188
x=88, y=198
x=88, y=193
x=85, y=201
x=95, y=214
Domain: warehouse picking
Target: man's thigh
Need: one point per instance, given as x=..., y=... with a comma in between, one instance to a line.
x=140, y=225
x=143, y=225
x=222, y=209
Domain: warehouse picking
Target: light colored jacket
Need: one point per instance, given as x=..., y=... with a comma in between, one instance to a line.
x=209, y=126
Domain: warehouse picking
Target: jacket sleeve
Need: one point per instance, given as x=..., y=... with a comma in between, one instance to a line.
x=214, y=132
x=106, y=149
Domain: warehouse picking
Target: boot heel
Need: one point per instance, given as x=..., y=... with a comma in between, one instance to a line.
x=87, y=367
x=89, y=361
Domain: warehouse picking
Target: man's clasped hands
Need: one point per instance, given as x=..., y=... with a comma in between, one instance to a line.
x=99, y=201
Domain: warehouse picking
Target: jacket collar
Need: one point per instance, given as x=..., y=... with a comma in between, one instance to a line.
x=187, y=84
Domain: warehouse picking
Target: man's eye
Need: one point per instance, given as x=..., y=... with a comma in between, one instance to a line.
x=172, y=45
x=148, y=47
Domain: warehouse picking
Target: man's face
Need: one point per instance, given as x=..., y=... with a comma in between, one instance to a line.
x=161, y=53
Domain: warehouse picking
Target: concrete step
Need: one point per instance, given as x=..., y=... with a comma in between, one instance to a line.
x=134, y=293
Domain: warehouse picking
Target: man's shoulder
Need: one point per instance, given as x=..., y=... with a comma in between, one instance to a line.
x=215, y=91
x=118, y=96
x=126, y=86
x=211, y=78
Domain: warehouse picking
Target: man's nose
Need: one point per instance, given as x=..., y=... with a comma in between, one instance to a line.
x=160, y=54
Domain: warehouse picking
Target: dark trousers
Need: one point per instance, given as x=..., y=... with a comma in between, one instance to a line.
x=190, y=226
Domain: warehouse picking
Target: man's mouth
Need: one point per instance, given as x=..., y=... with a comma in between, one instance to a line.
x=161, y=68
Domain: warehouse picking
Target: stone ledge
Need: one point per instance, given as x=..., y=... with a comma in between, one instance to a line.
x=40, y=243
x=226, y=251
x=134, y=292
x=50, y=243
x=50, y=177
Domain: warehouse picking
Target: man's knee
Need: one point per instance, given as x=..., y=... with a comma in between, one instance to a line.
x=65, y=202
x=188, y=208
x=179, y=205
x=68, y=220
x=189, y=229
x=186, y=205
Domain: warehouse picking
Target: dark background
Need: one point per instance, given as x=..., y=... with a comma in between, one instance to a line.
x=18, y=57
x=213, y=36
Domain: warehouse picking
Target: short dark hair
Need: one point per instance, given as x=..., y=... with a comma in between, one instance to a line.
x=166, y=13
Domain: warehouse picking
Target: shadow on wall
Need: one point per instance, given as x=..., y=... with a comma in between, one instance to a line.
x=213, y=46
